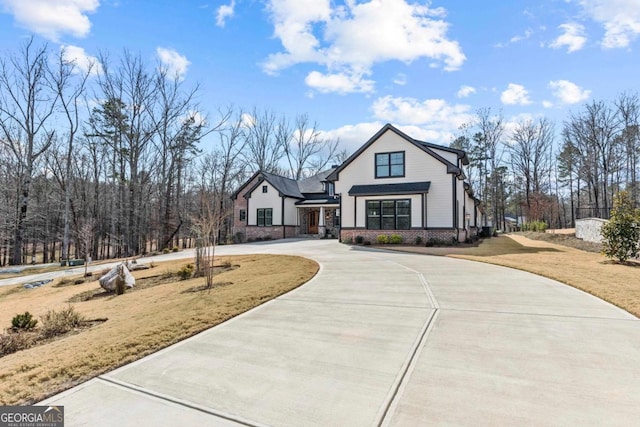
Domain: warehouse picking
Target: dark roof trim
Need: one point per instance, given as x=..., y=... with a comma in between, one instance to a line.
x=390, y=189
x=451, y=168
x=318, y=202
x=460, y=153
x=276, y=182
x=236, y=193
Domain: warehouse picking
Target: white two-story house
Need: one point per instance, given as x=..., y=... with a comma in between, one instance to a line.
x=393, y=184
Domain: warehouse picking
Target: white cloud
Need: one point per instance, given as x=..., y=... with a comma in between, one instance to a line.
x=568, y=92
x=515, y=94
x=620, y=18
x=52, y=18
x=572, y=37
x=437, y=120
x=349, y=39
x=175, y=64
x=341, y=83
x=225, y=11
x=81, y=59
x=400, y=79
x=465, y=91
x=547, y=104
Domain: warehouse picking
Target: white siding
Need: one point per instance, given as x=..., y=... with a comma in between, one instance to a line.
x=452, y=157
x=419, y=167
x=290, y=211
x=260, y=200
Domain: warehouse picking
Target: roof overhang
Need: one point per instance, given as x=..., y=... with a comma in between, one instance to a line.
x=390, y=189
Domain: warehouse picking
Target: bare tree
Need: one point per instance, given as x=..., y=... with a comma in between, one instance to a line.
x=263, y=149
x=531, y=161
x=306, y=152
x=27, y=104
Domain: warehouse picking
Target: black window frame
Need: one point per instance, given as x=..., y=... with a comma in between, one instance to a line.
x=264, y=212
x=243, y=215
x=381, y=211
x=378, y=164
x=265, y=188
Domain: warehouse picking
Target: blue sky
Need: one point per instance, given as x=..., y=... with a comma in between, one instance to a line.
x=354, y=65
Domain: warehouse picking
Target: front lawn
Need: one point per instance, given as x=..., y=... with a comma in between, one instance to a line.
x=138, y=323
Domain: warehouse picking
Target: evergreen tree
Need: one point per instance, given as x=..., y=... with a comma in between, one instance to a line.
x=621, y=235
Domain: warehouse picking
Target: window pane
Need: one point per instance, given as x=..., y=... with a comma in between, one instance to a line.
x=404, y=222
x=373, y=223
x=397, y=158
x=261, y=217
x=388, y=223
x=382, y=159
x=382, y=171
x=373, y=208
x=388, y=208
x=397, y=170
x=268, y=213
x=403, y=207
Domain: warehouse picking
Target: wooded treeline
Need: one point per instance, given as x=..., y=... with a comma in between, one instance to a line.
x=534, y=171
x=107, y=159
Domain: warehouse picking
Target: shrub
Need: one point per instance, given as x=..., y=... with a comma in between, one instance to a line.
x=186, y=272
x=359, y=240
x=537, y=226
x=238, y=237
x=347, y=240
x=395, y=239
x=267, y=237
x=12, y=342
x=418, y=240
x=175, y=249
x=166, y=250
x=56, y=323
x=621, y=235
x=382, y=239
x=23, y=322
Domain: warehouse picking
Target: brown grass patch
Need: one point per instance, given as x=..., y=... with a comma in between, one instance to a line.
x=588, y=271
x=140, y=322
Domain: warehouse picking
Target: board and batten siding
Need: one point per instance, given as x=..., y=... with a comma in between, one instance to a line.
x=259, y=200
x=290, y=211
x=419, y=167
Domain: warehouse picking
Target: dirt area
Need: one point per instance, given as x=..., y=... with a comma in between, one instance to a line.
x=138, y=323
x=591, y=272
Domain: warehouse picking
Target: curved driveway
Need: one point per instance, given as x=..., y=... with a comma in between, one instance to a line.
x=379, y=338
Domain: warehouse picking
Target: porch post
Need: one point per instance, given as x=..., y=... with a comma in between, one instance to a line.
x=321, y=226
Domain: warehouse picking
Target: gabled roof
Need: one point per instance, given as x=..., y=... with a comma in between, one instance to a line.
x=313, y=184
x=451, y=168
x=285, y=186
x=460, y=153
x=390, y=189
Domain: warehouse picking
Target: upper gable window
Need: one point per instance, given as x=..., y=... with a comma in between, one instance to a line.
x=265, y=188
x=390, y=165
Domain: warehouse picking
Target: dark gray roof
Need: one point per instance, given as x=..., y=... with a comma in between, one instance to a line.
x=390, y=189
x=460, y=153
x=285, y=186
x=325, y=201
x=313, y=184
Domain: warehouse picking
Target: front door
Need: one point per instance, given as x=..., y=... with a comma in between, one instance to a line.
x=313, y=222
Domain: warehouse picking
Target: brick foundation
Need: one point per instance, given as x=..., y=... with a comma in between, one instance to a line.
x=408, y=236
x=273, y=232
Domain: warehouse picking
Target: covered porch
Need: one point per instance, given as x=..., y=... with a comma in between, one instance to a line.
x=319, y=218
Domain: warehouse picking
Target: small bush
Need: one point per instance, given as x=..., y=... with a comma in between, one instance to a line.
x=175, y=249
x=382, y=239
x=359, y=240
x=267, y=237
x=166, y=250
x=417, y=241
x=537, y=226
x=395, y=239
x=347, y=240
x=23, y=322
x=238, y=237
x=12, y=342
x=56, y=323
x=186, y=272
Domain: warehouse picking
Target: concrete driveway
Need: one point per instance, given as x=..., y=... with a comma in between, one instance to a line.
x=392, y=339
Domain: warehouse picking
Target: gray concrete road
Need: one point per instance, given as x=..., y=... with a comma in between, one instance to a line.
x=389, y=339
